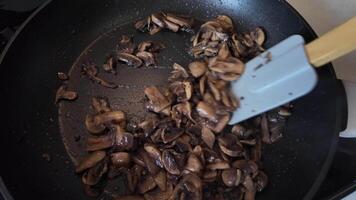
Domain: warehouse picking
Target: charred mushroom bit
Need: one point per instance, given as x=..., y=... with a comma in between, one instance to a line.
x=64, y=94
x=184, y=150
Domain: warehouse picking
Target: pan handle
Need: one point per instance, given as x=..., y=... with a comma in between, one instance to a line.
x=333, y=44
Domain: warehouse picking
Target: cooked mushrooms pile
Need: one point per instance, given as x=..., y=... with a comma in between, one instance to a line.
x=145, y=53
x=219, y=32
x=160, y=20
x=184, y=150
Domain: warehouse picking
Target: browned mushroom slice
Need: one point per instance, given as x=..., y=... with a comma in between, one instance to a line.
x=224, y=52
x=62, y=76
x=226, y=22
x=97, y=124
x=258, y=36
x=202, y=82
x=170, y=163
x=141, y=25
x=211, y=51
x=126, y=45
x=145, y=46
x=121, y=159
x=100, y=105
x=147, y=57
x=220, y=125
x=218, y=164
x=149, y=163
x=64, y=94
x=210, y=175
x=91, y=191
x=206, y=111
x=231, y=177
x=161, y=180
x=214, y=90
x=130, y=197
x=93, y=175
x=230, y=146
x=125, y=141
x=250, y=188
x=91, y=71
x=110, y=65
x=171, y=134
x=100, y=143
x=146, y=184
x=90, y=161
x=197, y=68
x=154, y=153
x=171, y=25
x=193, y=164
x=129, y=59
x=138, y=160
x=158, y=101
x=182, y=108
x=154, y=29
x=186, y=22
x=193, y=185
x=133, y=175
x=261, y=181
x=158, y=194
x=247, y=166
x=178, y=73
x=283, y=111
x=157, y=18
x=265, y=134
x=208, y=137
x=230, y=65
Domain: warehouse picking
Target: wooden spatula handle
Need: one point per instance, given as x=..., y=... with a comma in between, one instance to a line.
x=332, y=45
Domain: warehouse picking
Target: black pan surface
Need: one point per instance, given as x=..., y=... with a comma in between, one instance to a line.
x=65, y=33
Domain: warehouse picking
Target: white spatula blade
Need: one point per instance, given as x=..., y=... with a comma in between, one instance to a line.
x=279, y=75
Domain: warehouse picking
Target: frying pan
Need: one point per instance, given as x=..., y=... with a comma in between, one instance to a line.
x=38, y=140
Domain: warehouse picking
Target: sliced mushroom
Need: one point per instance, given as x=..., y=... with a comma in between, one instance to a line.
x=202, y=82
x=96, y=124
x=90, y=161
x=147, y=57
x=62, y=76
x=130, y=197
x=100, y=105
x=250, y=188
x=154, y=153
x=158, y=194
x=121, y=159
x=109, y=65
x=129, y=59
x=186, y=22
x=231, y=177
x=157, y=18
x=94, y=175
x=171, y=134
x=171, y=25
x=206, y=111
x=218, y=164
x=125, y=45
x=141, y=25
x=170, y=163
x=230, y=146
x=258, y=36
x=197, y=68
x=193, y=164
x=266, y=138
x=158, y=101
x=210, y=175
x=161, y=180
x=146, y=184
x=208, y=137
x=100, y=143
x=124, y=141
x=149, y=163
x=261, y=181
x=91, y=71
x=178, y=73
x=64, y=94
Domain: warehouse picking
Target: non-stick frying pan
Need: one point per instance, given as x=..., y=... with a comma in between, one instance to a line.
x=58, y=36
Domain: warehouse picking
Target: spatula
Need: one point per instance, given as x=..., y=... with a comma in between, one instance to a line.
x=286, y=71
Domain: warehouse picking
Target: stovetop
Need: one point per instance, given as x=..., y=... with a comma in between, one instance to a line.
x=340, y=178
